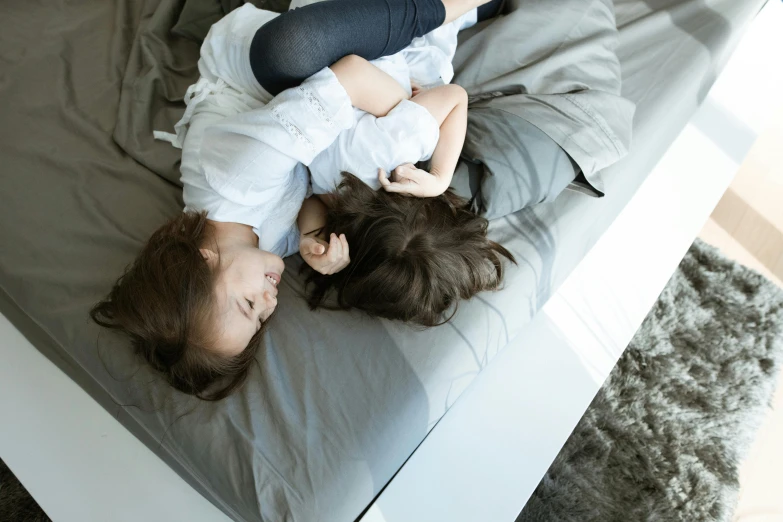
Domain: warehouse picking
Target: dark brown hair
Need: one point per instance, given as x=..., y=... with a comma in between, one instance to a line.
x=411, y=258
x=164, y=302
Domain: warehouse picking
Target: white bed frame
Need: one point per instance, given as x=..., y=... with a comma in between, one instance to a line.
x=487, y=454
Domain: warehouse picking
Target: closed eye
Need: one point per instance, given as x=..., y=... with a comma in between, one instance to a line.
x=242, y=309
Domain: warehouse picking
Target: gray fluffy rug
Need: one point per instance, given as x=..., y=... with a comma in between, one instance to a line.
x=663, y=437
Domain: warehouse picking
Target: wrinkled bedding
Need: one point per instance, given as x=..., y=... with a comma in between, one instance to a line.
x=337, y=401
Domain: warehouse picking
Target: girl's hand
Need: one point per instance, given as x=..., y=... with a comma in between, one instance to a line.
x=326, y=258
x=407, y=179
x=416, y=89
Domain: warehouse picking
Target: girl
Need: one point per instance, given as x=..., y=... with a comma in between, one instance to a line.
x=431, y=124
x=209, y=277
x=421, y=256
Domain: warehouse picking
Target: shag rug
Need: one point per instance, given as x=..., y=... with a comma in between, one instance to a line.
x=663, y=438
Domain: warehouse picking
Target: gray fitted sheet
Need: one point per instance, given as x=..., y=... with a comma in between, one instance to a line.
x=338, y=401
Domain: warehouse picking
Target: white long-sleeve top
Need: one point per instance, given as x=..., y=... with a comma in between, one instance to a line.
x=409, y=133
x=243, y=151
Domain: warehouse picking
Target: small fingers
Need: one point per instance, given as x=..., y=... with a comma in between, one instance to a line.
x=393, y=187
x=310, y=247
x=333, y=256
x=340, y=248
x=329, y=251
x=317, y=248
x=346, y=254
x=401, y=188
x=334, y=249
x=315, y=254
x=383, y=178
x=336, y=258
x=402, y=171
x=344, y=241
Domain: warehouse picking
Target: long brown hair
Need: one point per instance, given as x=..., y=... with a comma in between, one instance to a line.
x=164, y=302
x=412, y=259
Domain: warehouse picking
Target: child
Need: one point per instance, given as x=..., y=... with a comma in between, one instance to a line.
x=412, y=259
x=431, y=124
x=274, y=92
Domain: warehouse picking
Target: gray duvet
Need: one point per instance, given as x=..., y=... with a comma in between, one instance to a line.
x=337, y=401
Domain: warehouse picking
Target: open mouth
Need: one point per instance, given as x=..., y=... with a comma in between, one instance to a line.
x=273, y=278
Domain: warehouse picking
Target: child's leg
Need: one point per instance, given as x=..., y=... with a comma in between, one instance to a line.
x=457, y=8
x=301, y=42
x=490, y=10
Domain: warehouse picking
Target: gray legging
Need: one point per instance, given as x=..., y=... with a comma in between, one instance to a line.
x=301, y=42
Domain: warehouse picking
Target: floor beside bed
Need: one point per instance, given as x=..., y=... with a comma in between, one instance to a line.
x=747, y=226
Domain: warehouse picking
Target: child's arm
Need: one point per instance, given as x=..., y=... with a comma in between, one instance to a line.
x=448, y=104
x=369, y=88
x=325, y=257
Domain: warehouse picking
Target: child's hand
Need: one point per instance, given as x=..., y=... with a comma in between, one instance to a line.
x=326, y=258
x=407, y=179
x=416, y=89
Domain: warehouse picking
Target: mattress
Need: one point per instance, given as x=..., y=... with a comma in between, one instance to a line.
x=337, y=401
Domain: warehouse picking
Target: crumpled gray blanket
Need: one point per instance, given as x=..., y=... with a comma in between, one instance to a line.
x=161, y=66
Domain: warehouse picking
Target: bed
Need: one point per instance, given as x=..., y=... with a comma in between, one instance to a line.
x=338, y=401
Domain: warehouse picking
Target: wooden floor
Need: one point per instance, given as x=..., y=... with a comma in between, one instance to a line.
x=747, y=225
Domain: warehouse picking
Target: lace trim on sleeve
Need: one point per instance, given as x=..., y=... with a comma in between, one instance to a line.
x=315, y=104
x=292, y=129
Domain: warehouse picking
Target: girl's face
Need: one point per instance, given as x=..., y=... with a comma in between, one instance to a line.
x=245, y=293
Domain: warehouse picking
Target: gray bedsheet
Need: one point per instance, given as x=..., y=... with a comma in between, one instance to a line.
x=337, y=401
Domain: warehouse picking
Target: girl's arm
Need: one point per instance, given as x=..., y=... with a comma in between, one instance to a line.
x=448, y=104
x=325, y=257
x=369, y=88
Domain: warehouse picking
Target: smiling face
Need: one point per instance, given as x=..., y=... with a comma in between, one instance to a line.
x=245, y=294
